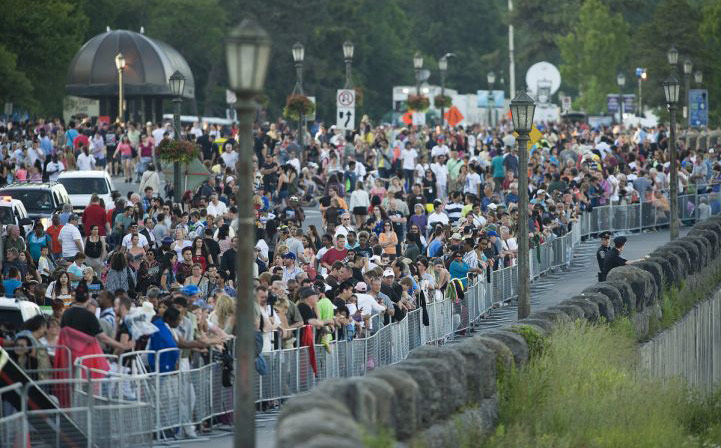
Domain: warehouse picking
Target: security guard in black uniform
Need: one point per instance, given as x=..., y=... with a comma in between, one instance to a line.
x=603, y=251
x=613, y=258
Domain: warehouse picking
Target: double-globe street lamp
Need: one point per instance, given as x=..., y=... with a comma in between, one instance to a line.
x=120, y=66
x=417, y=66
x=176, y=84
x=348, y=49
x=247, y=53
x=298, y=52
x=522, y=110
x=671, y=87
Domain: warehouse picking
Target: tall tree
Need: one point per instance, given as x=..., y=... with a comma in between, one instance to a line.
x=43, y=35
x=592, y=55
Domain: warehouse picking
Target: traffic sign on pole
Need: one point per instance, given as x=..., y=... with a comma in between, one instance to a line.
x=345, y=119
x=345, y=98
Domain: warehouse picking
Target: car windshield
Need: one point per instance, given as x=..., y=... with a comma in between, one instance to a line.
x=6, y=215
x=85, y=185
x=10, y=319
x=35, y=201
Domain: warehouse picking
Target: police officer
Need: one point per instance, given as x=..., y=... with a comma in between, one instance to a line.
x=603, y=251
x=614, y=259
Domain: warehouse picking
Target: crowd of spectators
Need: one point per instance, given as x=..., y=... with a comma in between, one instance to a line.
x=407, y=214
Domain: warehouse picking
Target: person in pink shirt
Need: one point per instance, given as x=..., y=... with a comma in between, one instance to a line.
x=125, y=151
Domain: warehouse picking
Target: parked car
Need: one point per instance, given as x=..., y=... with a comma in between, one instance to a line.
x=41, y=199
x=13, y=211
x=14, y=312
x=80, y=185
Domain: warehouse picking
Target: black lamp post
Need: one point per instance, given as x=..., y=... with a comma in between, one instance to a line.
x=247, y=53
x=120, y=66
x=418, y=65
x=348, y=56
x=671, y=87
x=687, y=71
x=522, y=109
x=621, y=81
x=176, y=83
x=442, y=67
x=491, y=78
x=298, y=52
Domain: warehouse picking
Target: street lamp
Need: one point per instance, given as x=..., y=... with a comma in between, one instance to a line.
x=120, y=65
x=687, y=71
x=672, y=55
x=522, y=109
x=247, y=53
x=298, y=51
x=348, y=56
x=621, y=81
x=176, y=84
x=671, y=87
x=698, y=77
x=491, y=78
x=418, y=65
x=442, y=67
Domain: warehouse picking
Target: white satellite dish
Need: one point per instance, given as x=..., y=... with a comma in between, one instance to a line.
x=545, y=75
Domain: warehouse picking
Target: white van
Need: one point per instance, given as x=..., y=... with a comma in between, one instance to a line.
x=82, y=184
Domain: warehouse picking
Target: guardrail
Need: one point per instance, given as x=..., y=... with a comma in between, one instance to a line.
x=136, y=403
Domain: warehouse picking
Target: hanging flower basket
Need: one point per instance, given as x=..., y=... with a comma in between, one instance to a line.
x=419, y=103
x=296, y=105
x=181, y=151
x=444, y=101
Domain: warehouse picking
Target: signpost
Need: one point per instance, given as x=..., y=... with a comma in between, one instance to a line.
x=345, y=102
x=612, y=102
x=698, y=107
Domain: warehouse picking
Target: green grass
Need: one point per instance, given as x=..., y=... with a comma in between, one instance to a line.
x=584, y=391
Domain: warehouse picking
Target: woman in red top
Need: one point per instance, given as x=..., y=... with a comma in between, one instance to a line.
x=125, y=151
x=200, y=253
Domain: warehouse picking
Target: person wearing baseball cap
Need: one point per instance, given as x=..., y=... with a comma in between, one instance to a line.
x=613, y=258
x=603, y=251
x=306, y=307
x=290, y=270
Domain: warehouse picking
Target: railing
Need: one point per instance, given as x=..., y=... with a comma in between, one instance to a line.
x=135, y=404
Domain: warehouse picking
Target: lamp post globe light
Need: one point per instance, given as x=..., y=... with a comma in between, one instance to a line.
x=120, y=66
x=672, y=55
x=671, y=87
x=698, y=77
x=348, y=57
x=621, y=81
x=176, y=84
x=247, y=53
x=491, y=78
x=418, y=65
x=522, y=110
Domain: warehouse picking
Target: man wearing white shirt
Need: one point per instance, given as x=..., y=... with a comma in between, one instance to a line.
x=230, y=157
x=345, y=225
x=216, y=207
x=86, y=161
x=440, y=149
x=366, y=303
x=472, y=183
x=440, y=169
x=437, y=217
x=142, y=240
x=408, y=157
x=70, y=238
x=54, y=169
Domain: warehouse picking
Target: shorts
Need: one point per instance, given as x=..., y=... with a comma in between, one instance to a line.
x=360, y=211
x=125, y=157
x=100, y=163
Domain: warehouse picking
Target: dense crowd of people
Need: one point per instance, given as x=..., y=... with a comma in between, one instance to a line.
x=408, y=214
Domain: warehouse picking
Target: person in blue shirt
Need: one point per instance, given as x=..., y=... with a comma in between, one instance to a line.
x=460, y=269
x=70, y=135
x=163, y=339
x=12, y=282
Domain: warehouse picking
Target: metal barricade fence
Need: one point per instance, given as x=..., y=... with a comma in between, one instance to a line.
x=126, y=407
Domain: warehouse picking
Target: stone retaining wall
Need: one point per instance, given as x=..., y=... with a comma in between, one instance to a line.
x=439, y=393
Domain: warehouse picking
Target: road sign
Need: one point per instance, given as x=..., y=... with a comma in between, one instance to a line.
x=454, y=116
x=408, y=117
x=566, y=104
x=419, y=118
x=345, y=98
x=629, y=103
x=345, y=118
x=698, y=111
x=534, y=136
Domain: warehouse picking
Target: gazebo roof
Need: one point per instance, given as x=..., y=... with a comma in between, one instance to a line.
x=148, y=65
